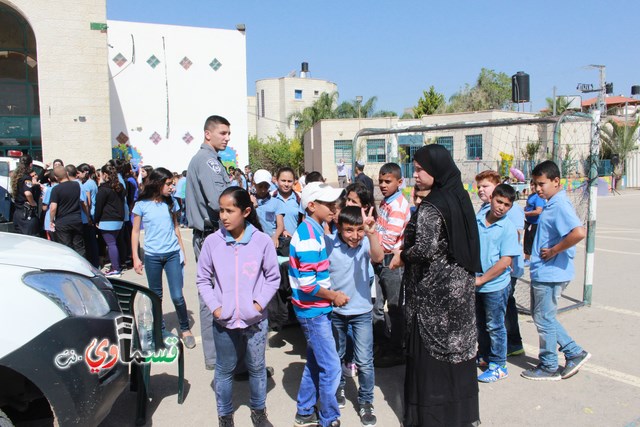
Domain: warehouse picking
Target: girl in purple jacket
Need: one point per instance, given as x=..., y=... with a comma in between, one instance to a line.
x=238, y=274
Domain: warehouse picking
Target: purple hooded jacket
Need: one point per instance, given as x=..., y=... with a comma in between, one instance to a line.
x=233, y=275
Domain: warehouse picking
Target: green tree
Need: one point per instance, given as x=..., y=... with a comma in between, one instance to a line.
x=276, y=152
x=323, y=108
x=530, y=153
x=385, y=113
x=491, y=91
x=430, y=103
x=354, y=109
x=620, y=139
x=562, y=105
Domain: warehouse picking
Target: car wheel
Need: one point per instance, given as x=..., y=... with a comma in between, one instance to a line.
x=4, y=420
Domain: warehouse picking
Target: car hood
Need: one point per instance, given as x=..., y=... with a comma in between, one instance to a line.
x=41, y=254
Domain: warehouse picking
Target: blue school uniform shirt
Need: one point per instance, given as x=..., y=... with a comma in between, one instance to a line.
x=516, y=216
x=496, y=240
x=351, y=272
x=267, y=210
x=533, y=202
x=91, y=187
x=290, y=209
x=557, y=220
x=159, y=233
x=45, y=201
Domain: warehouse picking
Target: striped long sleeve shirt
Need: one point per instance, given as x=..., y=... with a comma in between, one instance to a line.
x=309, y=270
x=393, y=217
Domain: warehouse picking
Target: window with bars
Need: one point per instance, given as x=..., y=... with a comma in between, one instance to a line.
x=474, y=147
x=376, y=151
x=446, y=142
x=342, y=150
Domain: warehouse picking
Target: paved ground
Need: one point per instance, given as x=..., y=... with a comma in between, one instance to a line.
x=606, y=392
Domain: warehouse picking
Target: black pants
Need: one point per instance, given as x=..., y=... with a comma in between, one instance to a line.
x=71, y=235
x=27, y=226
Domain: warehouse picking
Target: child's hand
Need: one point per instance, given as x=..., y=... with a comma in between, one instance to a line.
x=257, y=306
x=396, y=261
x=547, y=253
x=369, y=221
x=137, y=266
x=479, y=281
x=340, y=299
x=275, y=241
x=217, y=312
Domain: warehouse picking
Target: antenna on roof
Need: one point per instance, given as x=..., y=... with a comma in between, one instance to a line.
x=292, y=73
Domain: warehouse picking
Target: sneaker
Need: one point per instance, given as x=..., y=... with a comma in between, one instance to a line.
x=538, y=373
x=210, y=367
x=335, y=423
x=113, y=273
x=367, y=416
x=310, y=420
x=189, y=341
x=349, y=370
x=517, y=351
x=481, y=363
x=340, y=397
x=494, y=373
x=259, y=418
x=226, y=421
x=574, y=364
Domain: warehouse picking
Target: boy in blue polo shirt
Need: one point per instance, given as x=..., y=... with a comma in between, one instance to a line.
x=559, y=230
x=350, y=257
x=498, y=245
x=266, y=205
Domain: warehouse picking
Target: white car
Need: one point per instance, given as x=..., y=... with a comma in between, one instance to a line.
x=53, y=304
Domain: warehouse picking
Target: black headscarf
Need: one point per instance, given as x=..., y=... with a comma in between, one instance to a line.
x=450, y=198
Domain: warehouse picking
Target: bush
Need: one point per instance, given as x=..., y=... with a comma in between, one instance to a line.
x=275, y=153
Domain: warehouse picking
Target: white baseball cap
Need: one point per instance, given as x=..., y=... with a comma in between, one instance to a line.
x=262, y=175
x=319, y=191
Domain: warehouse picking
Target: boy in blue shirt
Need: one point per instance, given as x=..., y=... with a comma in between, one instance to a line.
x=498, y=244
x=532, y=211
x=350, y=256
x=559, y=230
x=266, y=205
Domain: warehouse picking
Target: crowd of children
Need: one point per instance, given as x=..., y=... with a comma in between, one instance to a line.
x=346, y=298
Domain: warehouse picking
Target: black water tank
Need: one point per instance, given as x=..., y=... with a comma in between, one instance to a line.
x=635, y=90
x=520, y=87
x=608, y=88
x=305, y=67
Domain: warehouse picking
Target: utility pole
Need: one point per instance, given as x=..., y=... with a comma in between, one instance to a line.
x=602, y=106
x=554, y=101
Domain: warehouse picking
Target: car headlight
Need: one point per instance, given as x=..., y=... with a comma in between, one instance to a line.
x=76, y=295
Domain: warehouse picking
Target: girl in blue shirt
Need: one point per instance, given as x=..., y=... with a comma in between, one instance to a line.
x=163, y=247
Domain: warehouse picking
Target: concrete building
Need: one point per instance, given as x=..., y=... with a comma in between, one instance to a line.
x=276, y=99
x=76, y=87
x=473, y=139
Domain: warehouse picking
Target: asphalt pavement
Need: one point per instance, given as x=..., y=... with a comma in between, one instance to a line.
x=606, y=391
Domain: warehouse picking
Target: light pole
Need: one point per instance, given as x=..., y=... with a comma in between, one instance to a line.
x=359, y=101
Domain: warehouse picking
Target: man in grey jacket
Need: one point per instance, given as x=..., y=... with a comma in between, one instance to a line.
x=207, y=178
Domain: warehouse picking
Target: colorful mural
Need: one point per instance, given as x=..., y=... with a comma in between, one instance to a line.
x=229, y=157
x=126, y=151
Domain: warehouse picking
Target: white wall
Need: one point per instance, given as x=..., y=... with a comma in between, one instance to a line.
x=141, y=104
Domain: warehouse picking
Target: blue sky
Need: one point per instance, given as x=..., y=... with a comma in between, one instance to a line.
x=395, y=50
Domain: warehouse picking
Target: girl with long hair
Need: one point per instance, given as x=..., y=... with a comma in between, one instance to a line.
x=25, y=189
x=109, y=214
x=238, y=274
x=163, y=247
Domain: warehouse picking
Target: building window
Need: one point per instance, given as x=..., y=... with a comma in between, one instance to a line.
x=447, y=142
x=296, y=124
x=262, y=102
x=474, y=147
x=316, y=92
x=298, y=93
x=342, y=150
x=375, y=151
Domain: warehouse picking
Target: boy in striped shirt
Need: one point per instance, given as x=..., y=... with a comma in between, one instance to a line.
x=393, y=217
x=312, y=301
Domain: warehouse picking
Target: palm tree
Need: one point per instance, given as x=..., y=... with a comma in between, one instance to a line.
x=356, y=109
x=322, y=108
x=562, y=104
x=620, y=139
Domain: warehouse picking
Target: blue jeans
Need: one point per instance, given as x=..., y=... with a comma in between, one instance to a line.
x=544, y=303
x=230, y=343
x=170, y=263
x=492, y=334
x=321, y=375
x=362, y=329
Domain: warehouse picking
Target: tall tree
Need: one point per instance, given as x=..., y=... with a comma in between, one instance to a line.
x=491, y=91
x=620, y=139
x=323, y=108
x=429, y=103
x=354, y=109
x=562, y=105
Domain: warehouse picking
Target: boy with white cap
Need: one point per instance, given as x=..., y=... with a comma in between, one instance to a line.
x=312, y=301
x=266, y=206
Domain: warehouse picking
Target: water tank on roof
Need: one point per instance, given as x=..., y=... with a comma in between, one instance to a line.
x=635, y=90
x=520, y=87
x=304, y=71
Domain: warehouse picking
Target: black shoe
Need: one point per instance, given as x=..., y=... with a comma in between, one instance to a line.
x=367, y=416
x=226, y=421
x=259, y=418
x=340, y=397
x=310, y=420
x=244, y=376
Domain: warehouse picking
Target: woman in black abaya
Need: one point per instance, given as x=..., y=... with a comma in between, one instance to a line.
x=440, y=256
